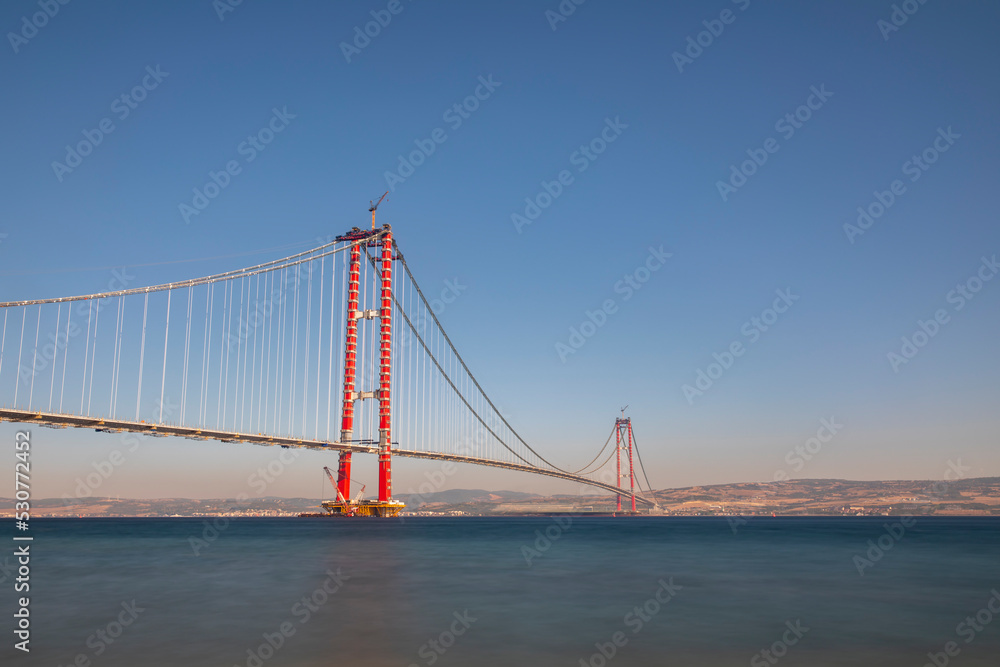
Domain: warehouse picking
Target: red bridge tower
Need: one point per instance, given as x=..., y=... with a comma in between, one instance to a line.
x=382, y=238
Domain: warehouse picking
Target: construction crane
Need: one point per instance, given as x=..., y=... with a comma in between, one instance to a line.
x=374, y=206
x=349, y=507
x=358, y=507
x=358, y=234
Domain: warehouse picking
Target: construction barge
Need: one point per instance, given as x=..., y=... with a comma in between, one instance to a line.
x=345, y=507
x=372, y=508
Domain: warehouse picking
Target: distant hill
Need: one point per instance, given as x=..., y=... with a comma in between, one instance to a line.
x=837, y=496
x=457, y=496
x=976, y=496
x=267, y=506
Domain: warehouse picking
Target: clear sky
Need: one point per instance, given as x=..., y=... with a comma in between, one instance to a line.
x=740, y=138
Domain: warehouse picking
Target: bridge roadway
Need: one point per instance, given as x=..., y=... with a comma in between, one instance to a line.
x=163, y=430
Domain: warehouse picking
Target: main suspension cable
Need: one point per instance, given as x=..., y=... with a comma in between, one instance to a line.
x=459, y=358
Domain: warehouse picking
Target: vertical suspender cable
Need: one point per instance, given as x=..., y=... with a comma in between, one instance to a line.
x=17, y=371
x=239, y=348
x=187, y=352
x=34, y=357
x=114, y=359
x=121, y=346
x=268, y=308
x=142, y=356
x=266, y=376
x=279, y=354
x=3, y=342
x=55, y=355
x=259, y=318
x=86, y=355
x=222, y=353
x=245, y=333
x=93, y=358
x=305, y=363
x=209, y=289
x=62, y=388
x=343, y=287
x=319, y=342
x=116, y=364
x=257, y=323
x=166, y=337
x=227, y=343
x=409, y=378
x=295, y=352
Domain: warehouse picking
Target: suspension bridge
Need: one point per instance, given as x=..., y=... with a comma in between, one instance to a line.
x=335, y=349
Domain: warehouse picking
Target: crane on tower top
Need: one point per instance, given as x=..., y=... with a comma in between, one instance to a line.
x=374, y=207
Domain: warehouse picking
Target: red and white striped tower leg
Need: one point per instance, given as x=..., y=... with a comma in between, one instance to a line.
x=385, y=368
x=631, y=473
x=350, y=368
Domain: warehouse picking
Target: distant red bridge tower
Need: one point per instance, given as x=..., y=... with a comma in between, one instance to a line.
x=623, y=434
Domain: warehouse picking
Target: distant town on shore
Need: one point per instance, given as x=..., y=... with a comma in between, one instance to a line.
x=809, y=497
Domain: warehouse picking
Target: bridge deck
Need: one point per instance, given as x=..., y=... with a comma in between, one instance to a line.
x=163, y=430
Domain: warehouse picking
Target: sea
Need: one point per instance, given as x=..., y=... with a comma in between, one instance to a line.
x=484, y=592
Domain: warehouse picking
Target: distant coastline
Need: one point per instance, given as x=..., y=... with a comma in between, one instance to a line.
x=811, y=497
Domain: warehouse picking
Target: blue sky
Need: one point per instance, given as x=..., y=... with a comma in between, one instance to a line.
x=887, y=96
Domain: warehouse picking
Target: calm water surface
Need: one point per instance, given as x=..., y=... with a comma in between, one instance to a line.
x=463, y=592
